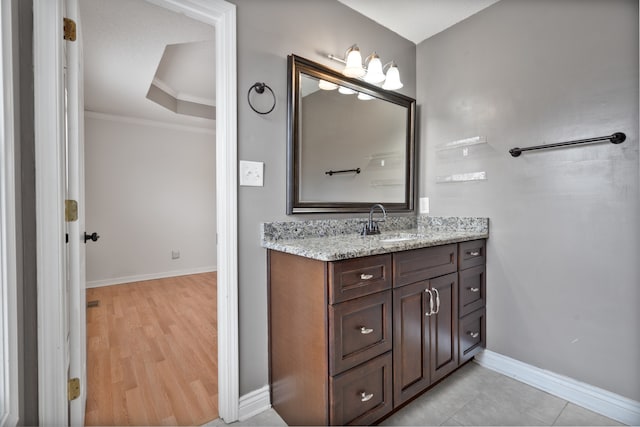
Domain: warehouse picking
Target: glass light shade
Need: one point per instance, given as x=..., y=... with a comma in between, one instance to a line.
x=364, y=96
x=354, y=63
x=392, y=81
x=346, y=91
x=374, y=70
x=325, y=85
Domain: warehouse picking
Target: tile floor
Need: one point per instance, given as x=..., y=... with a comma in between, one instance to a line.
x=476, y=396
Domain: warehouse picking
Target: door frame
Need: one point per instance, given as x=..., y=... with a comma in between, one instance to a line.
x=48, y=88
x=9, y=357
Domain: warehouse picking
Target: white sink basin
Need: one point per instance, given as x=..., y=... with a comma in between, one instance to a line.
x=401, y=237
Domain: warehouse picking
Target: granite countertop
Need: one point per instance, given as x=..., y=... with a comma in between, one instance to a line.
x=333, y=240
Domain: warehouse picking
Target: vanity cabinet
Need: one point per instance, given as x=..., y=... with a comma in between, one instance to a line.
x=351, y=340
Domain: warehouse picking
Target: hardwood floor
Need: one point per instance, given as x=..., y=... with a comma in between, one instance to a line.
x=152, y=352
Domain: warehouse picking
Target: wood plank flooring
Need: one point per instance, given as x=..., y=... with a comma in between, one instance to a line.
x=152, y=352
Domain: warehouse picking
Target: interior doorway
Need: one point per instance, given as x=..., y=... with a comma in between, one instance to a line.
x=51, y=265
x=150, y=193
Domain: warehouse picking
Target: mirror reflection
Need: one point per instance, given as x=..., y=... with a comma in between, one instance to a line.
x=351, y=143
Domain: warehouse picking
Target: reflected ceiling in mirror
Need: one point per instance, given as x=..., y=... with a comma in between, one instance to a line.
x=351, y=144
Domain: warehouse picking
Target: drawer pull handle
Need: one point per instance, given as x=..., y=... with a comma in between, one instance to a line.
x=437, y=301
x=430, y=303
x=366, y=276
x=473, y=334
x=364, y=397
x=473, y=253
x=365, y=331
x=474, y=289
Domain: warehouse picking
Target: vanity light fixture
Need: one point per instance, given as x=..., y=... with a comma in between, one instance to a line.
x=392, y=80
x=373, y=70
x=346, y=91
x=364, y=96
x=325, y=85
x=353, y=67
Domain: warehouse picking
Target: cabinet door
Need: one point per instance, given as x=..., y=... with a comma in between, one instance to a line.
x=472, y=334
x=472, y=284
x=359, y=329
x=357, y=277
x=410, y=341
x=444, y=326
x=422, y=264
x=362, y=395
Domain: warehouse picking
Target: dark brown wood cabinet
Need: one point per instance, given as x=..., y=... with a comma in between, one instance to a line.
x=471, y=301
x=350, y=341
x=425, y=319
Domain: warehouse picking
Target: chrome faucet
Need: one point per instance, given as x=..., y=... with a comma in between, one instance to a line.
x=371, y=227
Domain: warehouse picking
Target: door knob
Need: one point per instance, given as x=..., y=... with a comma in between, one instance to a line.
x=93, y=237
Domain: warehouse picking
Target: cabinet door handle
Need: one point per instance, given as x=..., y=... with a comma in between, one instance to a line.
x=430, y=302
x=474, y=289
x=473, y=334
x=366, y=276
x=437, y=301
x=365, y=331
x=473, y=253
x=364, y=397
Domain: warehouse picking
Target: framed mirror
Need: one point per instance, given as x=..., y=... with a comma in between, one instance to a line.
x=350, y=143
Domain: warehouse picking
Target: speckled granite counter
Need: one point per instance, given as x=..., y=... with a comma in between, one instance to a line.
x=332, y=240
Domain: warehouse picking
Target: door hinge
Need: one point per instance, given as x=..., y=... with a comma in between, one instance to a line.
x=69, y=29
x=70, y=210
x=73, y=388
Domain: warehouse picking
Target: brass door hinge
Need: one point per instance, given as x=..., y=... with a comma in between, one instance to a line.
x=73, y=388
x=70, y=210
x=69, y=29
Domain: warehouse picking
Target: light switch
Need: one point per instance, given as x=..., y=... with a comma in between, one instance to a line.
x=251, y=173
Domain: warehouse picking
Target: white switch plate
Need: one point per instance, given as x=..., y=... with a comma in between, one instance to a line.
x=251, y=173
x=424, y=205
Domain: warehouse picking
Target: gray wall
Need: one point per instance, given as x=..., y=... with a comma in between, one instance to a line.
x=268, y=31
x=563, y=272
x=150, y=190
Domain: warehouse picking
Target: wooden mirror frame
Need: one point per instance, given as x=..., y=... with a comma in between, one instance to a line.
x=297, y=65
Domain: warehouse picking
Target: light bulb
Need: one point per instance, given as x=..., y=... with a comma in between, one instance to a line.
x=374, y=69
x=364, y=96
x=346, y=91
x=354, y=63
x=325, y=85
x=392, y=82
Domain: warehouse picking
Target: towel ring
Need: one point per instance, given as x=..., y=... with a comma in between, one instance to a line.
x=259, y=88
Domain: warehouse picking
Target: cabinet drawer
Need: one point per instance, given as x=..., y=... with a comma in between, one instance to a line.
x=422, y=264
x=472, y=334
x=357, y=277
x=472, y=283
x=359, y=330
x=363, y=394
x=472, y=253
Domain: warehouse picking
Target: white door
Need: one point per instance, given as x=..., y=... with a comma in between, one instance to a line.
x=60, y=264
x=76, y=229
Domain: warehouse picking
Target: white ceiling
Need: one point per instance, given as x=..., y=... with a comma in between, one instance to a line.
x=182, y=70
x=123, y=43
x=417, y=20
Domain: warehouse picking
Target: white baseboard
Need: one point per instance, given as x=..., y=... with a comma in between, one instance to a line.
x=253, y=403
x=153, y=276
x=598, y=400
